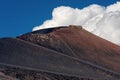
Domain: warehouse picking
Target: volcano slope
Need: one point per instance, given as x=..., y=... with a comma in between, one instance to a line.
x=76, y=42
x=18, y=53
x=4, y=77
x=64, y=53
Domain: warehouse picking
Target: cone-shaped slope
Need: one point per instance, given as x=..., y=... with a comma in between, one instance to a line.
x=19, y=53
x=79, y=43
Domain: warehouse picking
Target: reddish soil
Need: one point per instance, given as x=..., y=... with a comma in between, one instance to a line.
x=79, y=43
x=89, y=47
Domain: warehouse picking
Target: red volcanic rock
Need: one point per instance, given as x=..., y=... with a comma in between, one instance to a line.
x=91, y=48
x=78, y=43
x=23, y=60
x=63, y=53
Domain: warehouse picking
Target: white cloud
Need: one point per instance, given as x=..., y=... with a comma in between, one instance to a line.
x=100, y=20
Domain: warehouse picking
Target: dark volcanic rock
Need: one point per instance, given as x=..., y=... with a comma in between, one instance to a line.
x=79, y=43
x=64, y=53
x=24, y=74
x=4, y=77
x=18, y=53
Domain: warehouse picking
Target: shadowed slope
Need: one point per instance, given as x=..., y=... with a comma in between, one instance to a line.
x=79, y=43
x=16, y=52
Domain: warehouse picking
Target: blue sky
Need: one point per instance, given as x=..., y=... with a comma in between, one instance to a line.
x=20, y=16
